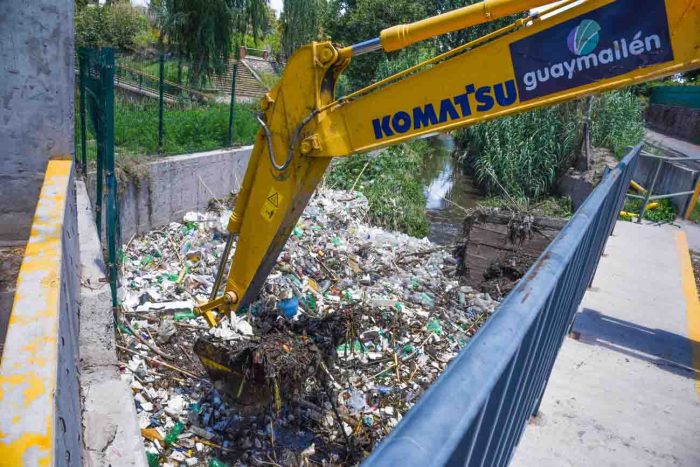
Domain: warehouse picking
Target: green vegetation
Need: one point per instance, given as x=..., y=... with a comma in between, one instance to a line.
x=389, y=181
x=187, y=129
x=352, y=21
x=523, y=155
x=202, y=33
x=119, y=26
x=664, y=213
x=300, y=22
x=617, y=121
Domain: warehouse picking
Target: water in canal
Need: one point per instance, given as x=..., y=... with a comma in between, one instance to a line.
x=448, y=191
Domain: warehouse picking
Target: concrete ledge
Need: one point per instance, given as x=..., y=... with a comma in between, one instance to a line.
x=162, y=191
x=110, y=427
x=39, y=402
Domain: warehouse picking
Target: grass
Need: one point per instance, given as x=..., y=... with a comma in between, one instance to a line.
x=391, y=184
x=617, y=121
x=523, y=155
x=186, y=128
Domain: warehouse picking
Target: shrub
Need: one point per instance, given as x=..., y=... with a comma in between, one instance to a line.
x=522, y=155
x=617, y=121
x=389, y=181
x=120, y=26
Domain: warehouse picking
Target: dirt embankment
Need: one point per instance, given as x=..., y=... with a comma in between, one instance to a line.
x=499, y=246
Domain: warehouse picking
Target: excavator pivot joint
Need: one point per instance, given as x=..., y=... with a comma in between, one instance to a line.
x=221, y=304
x=311, y=143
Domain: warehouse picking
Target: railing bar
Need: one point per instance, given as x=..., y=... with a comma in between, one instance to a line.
x=557, y=329
x=513, y=383
x=475, y=435
x=563, y=322
x=500, y=406
x=512, y=403
x=524, y=410
x=536, y=331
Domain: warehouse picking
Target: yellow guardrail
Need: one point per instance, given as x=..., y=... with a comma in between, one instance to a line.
x=29, y=370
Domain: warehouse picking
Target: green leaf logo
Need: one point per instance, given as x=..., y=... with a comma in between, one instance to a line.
x=584, y=38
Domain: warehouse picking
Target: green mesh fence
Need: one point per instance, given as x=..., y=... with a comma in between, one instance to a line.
x=161, y=108
x=96, y=137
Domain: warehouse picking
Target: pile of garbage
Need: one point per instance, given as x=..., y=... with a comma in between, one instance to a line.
x=353, y=324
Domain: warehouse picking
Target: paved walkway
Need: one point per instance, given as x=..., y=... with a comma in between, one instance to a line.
x=669, y=142
x=627, y=392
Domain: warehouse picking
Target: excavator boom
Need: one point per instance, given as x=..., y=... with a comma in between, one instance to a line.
x=568, y=50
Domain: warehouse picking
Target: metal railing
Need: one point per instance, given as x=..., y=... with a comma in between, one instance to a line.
x=648, y=196
x=475, y=413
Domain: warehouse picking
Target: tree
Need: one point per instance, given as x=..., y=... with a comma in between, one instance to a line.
x=120, y=26
x=352, y=21
x=202, y=32
x=301, y=23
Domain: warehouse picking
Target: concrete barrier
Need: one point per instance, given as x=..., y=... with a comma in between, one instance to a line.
x=39, y=400
x=162, y=191
x=110, y=424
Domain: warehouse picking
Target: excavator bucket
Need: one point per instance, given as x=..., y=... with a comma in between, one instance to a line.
x=262, y=373
x=238, y=374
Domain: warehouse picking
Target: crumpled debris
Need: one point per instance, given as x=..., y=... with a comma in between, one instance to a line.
x=387, y=309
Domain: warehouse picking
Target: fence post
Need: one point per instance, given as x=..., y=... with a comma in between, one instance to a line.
x=161, y=85
x=83, y=103
x=229, y=136
x=650, y=190
x=107, y=84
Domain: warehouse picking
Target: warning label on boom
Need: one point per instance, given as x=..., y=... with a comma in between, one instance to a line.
x=271, y=204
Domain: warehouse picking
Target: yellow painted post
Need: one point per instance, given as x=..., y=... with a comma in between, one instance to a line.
x=693, y=200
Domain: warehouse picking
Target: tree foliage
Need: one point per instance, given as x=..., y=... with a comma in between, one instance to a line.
x=301, y=23
x=119, y=26
x=203, y=32
x=352, y=21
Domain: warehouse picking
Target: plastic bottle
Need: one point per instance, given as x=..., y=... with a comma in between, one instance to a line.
x=174, y=433
x=153, y=459
x=180, y=315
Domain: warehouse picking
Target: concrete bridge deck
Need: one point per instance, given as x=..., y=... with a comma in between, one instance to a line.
x=625, y=389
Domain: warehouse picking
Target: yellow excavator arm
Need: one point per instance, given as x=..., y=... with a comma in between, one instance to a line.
x=564, y=51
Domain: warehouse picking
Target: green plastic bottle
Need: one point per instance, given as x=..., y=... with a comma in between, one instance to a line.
x=153, y=459
x=214, y=462
x=174, y=433
x=181, y=315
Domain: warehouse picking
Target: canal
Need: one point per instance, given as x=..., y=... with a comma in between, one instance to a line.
x=448, y=189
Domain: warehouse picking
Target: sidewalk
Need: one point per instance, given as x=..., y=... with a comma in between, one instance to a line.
x=627, y=391
x=669, y=142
